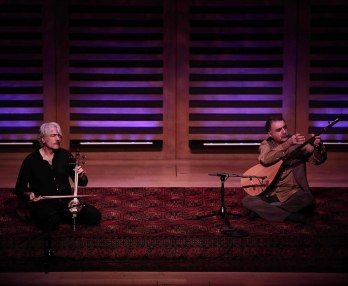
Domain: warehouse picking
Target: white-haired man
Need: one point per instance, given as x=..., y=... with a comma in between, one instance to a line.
x=46, y=172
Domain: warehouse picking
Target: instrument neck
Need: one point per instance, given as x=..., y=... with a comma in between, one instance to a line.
x=76, y=181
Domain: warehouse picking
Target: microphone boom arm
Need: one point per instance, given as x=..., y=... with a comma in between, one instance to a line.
x=239, y=176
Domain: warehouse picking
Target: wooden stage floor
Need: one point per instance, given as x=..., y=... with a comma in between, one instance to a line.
x=174, y=279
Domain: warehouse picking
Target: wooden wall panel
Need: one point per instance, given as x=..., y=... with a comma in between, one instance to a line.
x=116, y=70
x=326, y=68
x=236, y=68
x=173, y=71
x=118, y=79
x=21, y=70
x=240, y=65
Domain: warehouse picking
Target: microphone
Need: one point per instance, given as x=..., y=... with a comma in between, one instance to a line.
x=220, y=174
x=236, y=175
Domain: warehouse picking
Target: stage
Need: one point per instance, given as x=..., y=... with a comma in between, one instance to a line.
x=147, y=230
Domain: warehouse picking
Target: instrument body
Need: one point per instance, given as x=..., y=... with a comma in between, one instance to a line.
x=255, y=186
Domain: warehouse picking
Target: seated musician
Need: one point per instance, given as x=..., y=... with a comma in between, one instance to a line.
x=46, y=172
x=289, y=194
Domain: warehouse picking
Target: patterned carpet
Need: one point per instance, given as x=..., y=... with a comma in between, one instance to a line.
x=154, y=229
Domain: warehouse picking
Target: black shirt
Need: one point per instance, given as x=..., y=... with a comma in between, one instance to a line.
x=38, y=176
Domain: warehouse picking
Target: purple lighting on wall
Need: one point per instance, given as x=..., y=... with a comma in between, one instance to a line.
x=117, y=143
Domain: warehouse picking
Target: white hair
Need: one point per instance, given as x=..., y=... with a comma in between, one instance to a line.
x=45, y=129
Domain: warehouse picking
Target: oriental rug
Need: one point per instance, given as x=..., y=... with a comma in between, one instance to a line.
x=155, y=229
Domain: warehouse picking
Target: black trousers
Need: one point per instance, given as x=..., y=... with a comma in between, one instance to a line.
x=49, y=214
x=271, y=209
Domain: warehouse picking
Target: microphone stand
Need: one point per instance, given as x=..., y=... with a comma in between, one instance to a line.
x=222, y=212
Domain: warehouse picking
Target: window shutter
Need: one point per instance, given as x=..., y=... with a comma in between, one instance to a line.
x=21, y=71
x=116, y=70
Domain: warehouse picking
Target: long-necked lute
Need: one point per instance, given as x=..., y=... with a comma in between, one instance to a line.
x=77, y=161
x=254, y=186
x=74, y=205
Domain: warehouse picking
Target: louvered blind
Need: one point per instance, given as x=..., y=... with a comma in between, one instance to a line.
x=239, y=67
x=21, y=71
x=116, y=70
x=328, y=91
x=236, y=68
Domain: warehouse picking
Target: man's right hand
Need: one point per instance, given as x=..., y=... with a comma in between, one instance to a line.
x=297, y=139
x=32, y=197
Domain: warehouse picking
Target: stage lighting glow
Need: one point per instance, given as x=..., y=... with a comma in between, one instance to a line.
x=117, y=143
x=229, y=144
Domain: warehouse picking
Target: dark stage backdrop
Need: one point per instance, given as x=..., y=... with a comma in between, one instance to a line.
x=174, y=72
